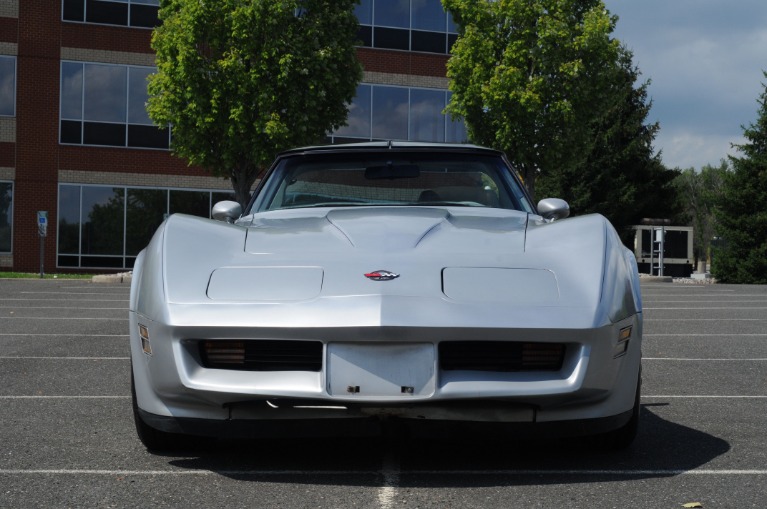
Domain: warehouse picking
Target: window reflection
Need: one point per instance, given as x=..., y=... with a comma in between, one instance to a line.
x=103, y=220
x=7, y=86
x=138, y=95
x=69, y=219
x=392, y=13
x=358, y=120
x=106, y=227
x=6, y=216
x=427, y=123
x=400, y=113
x=364, y=12
x=145, y=212
x=105, y=92
x=428, y=15
x=390, y=113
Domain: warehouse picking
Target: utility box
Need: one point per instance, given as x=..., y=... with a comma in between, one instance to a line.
x=677, y=255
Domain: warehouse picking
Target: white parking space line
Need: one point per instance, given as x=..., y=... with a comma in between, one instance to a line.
x=59, y=318
x=63, y=307
x=699, y=396
x=122, y=294
x=67, y=358
x=699, y=359
x=391, y=472
x=705, y=319
x=64, y=397
x=56, y=335
x=701, y=308
x=621, y=473
x=72, y=300
x=695, y=335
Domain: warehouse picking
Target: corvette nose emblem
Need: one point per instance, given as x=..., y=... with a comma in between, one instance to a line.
x=381, y=275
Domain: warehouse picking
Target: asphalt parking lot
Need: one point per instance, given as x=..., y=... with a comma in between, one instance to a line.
x=67, y=437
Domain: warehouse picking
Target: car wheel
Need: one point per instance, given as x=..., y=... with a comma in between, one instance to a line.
x=152, y=438
x=623, y=437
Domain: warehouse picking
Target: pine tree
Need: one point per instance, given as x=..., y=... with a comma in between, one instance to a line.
x=741, y=214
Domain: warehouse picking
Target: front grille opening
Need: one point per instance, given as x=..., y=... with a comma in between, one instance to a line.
x=501, y=356
x=261, y=355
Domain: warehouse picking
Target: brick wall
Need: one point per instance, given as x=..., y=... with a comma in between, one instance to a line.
x=402, y=62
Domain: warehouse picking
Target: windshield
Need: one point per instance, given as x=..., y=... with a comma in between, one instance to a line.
x=391, y=178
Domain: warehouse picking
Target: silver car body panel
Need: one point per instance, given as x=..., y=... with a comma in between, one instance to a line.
x=464, y=274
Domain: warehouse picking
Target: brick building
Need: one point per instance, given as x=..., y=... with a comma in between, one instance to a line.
x=76, y=142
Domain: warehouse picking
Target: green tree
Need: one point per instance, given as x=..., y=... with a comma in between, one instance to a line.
x=529, y=77
x=621, y=177
x=240, y=80
x=698, y=193
x=740, y=212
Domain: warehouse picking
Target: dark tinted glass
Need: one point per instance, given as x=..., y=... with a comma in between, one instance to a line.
x=451, y=38
x=107, y=262
x=68, y=261
x=111, y=13
x=147, y=136
x=391, y=38
x=365, y=36
x=100, y=133
x=431, y=42
x=196, y=203
x=71, y=131
x=73, y=10
x=143, y=16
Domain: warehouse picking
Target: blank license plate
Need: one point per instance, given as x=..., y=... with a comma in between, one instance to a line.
x=383, y=371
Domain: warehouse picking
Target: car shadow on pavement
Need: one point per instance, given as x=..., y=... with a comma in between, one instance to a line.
x=662, y=448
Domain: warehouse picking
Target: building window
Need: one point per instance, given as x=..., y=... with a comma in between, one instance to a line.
x=7, y=86
x=382, y=112
x=6, y=216
x=104, y=104
x=106, y=226
x=409, y=25
x=132, y=13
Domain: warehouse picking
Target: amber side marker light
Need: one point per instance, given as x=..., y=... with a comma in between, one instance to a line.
x=623, y=342
x=143, y=332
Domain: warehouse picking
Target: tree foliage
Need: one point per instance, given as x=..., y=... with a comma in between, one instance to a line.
x=529, y=76
x=621, y=177
x=699, y=192
x=240, y=80
x=740, y=213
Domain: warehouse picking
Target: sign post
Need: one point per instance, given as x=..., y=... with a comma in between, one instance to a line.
x=42, y=230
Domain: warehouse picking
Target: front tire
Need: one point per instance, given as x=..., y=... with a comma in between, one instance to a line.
x=623, y=437
x=154, y=439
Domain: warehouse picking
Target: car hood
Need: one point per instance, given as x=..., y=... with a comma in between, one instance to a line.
x=389, y=231
x=451, y=265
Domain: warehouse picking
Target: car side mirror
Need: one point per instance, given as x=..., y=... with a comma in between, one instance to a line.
x=227, y=211
x=553, y=208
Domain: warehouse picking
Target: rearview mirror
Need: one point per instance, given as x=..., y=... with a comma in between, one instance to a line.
x=226, y=211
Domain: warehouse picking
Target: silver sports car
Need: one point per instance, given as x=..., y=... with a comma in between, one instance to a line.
x=380, y=281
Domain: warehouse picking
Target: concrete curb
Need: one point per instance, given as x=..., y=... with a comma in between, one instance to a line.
x=655, y=279
x=113, y=278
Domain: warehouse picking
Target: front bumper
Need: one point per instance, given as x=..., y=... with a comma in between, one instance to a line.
x=595, y=386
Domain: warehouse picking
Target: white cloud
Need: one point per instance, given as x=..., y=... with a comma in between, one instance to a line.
x=688, y=149
x=705, y=60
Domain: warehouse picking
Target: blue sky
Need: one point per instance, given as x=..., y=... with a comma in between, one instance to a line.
x=704, y=59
